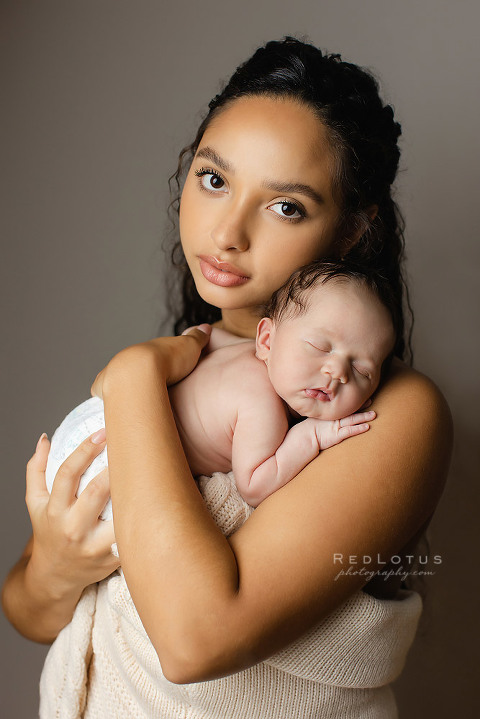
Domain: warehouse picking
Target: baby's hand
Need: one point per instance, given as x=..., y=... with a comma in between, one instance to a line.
x=332, y=432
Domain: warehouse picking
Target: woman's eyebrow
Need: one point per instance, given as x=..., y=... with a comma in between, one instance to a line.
x=295, y=187
x=209, y=154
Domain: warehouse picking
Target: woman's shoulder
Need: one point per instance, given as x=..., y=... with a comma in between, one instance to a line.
x=408, y=390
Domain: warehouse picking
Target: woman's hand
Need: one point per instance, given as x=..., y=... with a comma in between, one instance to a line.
x=70, y=547
x=175, y=357
x=68, y=536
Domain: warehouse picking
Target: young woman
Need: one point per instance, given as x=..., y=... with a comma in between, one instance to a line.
x=294, y=162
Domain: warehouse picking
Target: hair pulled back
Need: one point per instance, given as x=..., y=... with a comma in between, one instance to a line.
x=363, y=136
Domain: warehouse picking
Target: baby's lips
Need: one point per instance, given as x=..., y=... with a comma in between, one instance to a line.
x=318, y=394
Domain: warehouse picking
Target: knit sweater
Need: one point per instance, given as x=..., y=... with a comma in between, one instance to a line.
x=103, y=664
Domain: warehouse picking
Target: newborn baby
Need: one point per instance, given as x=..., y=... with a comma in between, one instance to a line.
x=319, y=354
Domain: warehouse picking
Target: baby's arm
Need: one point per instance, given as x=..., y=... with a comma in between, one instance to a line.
x=266, y=454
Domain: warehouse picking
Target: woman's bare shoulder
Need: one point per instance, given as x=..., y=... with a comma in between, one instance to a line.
x=415, y=418
x=420, y=388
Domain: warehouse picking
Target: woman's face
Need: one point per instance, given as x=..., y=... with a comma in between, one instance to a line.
x=257, y=204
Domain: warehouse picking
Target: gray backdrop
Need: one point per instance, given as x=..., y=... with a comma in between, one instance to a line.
x=97, y=99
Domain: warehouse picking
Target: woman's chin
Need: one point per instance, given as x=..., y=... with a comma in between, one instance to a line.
x=228, y=298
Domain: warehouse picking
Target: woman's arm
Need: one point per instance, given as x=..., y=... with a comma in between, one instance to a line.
x=69, y=549
x=213, y=606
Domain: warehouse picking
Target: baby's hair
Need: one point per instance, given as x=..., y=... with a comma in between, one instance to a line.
x=291, y=299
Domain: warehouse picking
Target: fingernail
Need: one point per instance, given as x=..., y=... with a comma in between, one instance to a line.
x=43, y=436
x=99, y=436
x=205, y=328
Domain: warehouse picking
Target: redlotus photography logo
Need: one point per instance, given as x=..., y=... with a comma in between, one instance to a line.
x=395, y=566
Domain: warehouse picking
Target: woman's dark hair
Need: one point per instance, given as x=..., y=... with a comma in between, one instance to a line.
x=363, y=136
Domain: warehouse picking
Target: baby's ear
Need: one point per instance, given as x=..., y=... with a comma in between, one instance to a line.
x=264, y=337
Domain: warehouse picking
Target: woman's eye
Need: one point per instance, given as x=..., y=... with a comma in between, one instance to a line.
x=210, y=180
x=287, y=210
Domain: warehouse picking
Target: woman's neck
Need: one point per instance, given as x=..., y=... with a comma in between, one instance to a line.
x=242, y=322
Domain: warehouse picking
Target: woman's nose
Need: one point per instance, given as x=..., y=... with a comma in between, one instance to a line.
x=230, y=231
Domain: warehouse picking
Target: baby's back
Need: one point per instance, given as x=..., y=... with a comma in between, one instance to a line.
x=205, y=404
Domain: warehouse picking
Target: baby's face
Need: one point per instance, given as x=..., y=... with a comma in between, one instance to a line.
x=327, y=362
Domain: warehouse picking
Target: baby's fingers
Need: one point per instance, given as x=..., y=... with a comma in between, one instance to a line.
x=68, y=476
x=357, y=418
x=351, y=430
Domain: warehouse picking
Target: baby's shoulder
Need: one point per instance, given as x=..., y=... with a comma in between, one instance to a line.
x=243, y=372
x=233, y=358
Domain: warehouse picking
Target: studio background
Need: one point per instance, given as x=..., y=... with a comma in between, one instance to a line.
x=98, y=97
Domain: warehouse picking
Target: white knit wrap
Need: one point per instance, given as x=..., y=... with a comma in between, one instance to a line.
x=103, y=664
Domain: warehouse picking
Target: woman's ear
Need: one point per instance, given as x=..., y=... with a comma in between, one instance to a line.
x=265, y=330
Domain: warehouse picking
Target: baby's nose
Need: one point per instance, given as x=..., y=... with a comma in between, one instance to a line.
x=336, y=370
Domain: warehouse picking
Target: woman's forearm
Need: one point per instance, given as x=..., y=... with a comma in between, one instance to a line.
x=213, y=606
x=34, y=605
x=178, y=565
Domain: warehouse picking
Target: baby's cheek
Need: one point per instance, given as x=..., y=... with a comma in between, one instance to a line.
x=356, y=398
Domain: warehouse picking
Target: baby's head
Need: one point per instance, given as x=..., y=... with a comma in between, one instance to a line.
x=327, y=338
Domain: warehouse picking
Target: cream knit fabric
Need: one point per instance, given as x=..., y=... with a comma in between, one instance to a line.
x=103, y=664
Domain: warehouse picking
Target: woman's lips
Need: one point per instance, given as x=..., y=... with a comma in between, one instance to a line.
x=320, y=394
x=221, y=273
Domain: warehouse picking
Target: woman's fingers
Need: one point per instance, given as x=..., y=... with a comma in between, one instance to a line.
x=72, y=547
x=36, y=488
x=106, y=537
x=205, y=328
x=200, y=333
x=94, y=497
x=66, y=480
x=96, y=390
x=182, y=353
